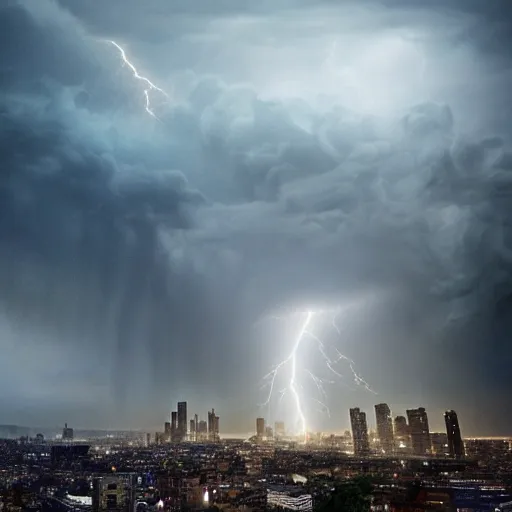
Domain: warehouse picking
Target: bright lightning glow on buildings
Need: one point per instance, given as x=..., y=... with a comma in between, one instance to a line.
x=293, y=368
x=149, y=86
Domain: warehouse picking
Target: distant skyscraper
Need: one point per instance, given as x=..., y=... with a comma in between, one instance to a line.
x=213, y=426
x=167, y=431
x=419, y=431
x=182, y=420
x=174, y=425
x=401, y=427
x=192, y=430
x=279, y=429
x=196, y=421
x=455, y=444
x=216, y=427
x=67, y=433
x=260, y=427
x=359, y=431
x=384, y=427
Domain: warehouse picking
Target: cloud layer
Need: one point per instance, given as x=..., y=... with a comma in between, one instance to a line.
x=311, y=169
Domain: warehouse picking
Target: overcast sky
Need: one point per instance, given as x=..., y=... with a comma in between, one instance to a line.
x=349, y=156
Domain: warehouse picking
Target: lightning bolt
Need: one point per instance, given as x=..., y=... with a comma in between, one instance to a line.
x=292, y=363
x=149, y=85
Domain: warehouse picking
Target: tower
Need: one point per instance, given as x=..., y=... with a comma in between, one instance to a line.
x=67, y=433
x=182, y=421
x=174, y=425
x=384, y=428
x=213, y=426
x=260, y=427
x=455, y=444
x=419, y=431
x=359, y=431
x=401, y=427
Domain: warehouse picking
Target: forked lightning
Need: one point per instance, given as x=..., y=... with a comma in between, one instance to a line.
x=149, y=85
x=297, y=369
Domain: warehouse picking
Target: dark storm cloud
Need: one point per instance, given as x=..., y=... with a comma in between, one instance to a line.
x=79, y=232
x=146, y=250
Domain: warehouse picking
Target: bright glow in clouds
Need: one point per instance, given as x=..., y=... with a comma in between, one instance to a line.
x=379, y=76
x=295, y=367
x=150, y=86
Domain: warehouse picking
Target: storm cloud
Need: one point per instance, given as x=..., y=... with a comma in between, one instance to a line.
x=307, y=154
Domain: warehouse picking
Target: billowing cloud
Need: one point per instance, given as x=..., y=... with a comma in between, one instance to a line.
x=305, y=166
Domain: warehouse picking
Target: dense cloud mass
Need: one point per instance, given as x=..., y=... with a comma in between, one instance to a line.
x=308, y=154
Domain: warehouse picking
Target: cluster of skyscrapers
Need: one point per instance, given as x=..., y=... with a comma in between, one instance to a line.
x=180, y=429
x=411, y=433
x=265, y=431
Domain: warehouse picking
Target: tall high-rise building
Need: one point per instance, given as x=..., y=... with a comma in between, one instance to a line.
x=359, y=431
x=67, y=433
x=455, y=444
x=216, y=427
x=401, y=427
x=213, y=426
x=167, y=431
x=384, y=428
x=279, y=429
x=419, y=431
x=196, y=421
x=260, y=427
x=182, y=421
x=174, y=425
x=402, y=438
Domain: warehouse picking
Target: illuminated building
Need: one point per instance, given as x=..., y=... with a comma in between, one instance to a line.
x=182, y=421
x=279, y=429
x=192, y=432
x=174, y=425
x=384, y=428
x=213, y=426
x=359, y=432
x=455, y=444
x=260, y=427
x=401, y=427
x=289, y=499
x=114, y=493
x=67, y=433
x=269, y=433
x=419, y=431
x=167, y=431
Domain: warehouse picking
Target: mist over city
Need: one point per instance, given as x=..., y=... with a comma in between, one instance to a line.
x=275, y=209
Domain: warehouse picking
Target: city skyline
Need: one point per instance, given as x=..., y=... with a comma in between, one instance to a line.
x=279, y=427
x=285, y=209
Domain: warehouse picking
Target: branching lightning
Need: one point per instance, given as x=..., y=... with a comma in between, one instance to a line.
x=149, y=85
x=297, y=371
